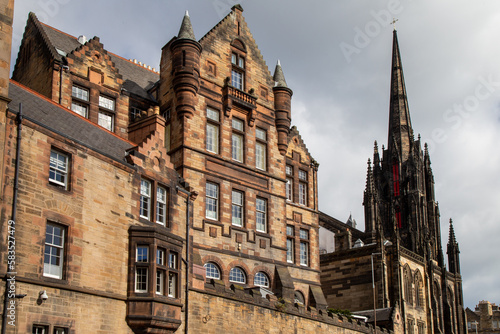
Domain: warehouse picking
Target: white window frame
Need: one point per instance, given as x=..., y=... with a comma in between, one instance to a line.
x=139, y=254
x=213, y=130
x=106, y=102
x=106, y=120
x=237, y=208
x=172, y=284
x=143, y=281
x=145, y=202
x=303, y=193
x=58, y=168
x=211, y=268
x=160, y=281
x=289, y=189
x=261, y=215
x=237, y=147
x=80, y=108
x=161, y=205
x=237, y=275
x=56, y=251
x=261, y=279
x=212, y=201
x=260, y=149
x=304, y=247
x=290, y=244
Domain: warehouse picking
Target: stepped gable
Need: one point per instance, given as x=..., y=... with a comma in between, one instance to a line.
x=136, y=78
x=251, y=46
x=60, y=120
x=294, y=134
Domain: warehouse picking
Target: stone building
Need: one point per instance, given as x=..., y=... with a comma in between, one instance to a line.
x=144, y=201
x=484, y=319
x=396, y=265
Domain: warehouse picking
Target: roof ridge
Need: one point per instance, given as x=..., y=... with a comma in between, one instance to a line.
x=60, y=31
x=67, y=110
x=46, y=39
x=131, y=62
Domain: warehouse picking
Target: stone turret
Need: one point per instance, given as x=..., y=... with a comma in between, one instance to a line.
x=282, y=106
x=186, y=53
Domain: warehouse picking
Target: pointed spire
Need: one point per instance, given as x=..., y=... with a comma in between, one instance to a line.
x=452, y=240
x=369, y=179
x=400, y=130
x=186, y=30
x=376, y=156
x=279, y=77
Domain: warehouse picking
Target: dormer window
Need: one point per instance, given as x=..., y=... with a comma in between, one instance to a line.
x=238, y=71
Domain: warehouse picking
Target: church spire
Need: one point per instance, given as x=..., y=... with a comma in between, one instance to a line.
x=400, y=130
x=453, y=252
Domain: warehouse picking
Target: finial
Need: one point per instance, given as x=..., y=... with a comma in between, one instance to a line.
x=187, y=13
x=279, y=63
x=394, y=20
x=369, y=162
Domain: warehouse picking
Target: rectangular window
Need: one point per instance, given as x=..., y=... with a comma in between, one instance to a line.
x=38, y=329
x=58, y=171
x=172, y=260
x=145, y=208
x=54, y=251
x=141, y=279
x=304, y=247
x=160, y=281
x=261, y=213
x=260, y=149
x=237, y=140
x=161, y=205
x=80, y=108
x=289, y=244
x=302, y=175
x=106, y=120
x=160, y=257
x=302, y=193
x=142, y=254
x=172, y=284
x=289, y=189
x=211, y=201
x=237, y=208
x=80, y=93
x=61, y=330
x=106, y=102
x=212, y=131
x=289, y=170
x=237, y=79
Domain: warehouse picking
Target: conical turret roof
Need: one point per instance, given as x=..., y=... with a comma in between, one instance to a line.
x=186, y=30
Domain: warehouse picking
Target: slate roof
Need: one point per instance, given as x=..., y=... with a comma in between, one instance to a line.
x=383, y=314
x=62, y=121
x=136, y=79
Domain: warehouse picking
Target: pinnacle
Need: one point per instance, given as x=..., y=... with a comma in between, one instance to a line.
x=186, y=30
x=279, y=77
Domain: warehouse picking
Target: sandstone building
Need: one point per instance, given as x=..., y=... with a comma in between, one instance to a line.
x=484, y=319
x=396, y=265
x=177, y=200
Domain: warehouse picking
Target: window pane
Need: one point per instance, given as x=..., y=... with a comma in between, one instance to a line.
x=289, y=230
x=80, y=93
x=304, y=253
x=304, y=234
x=237, y=79
x=105, y=120
x=141, y=279
x=261, y=279
x=237, y=147
x=79, y=108
x=237, y=124
x=234, y=57
x=261, y=214
x=54, y=251
x=237, y=275
x=289, y=250
x=260, y=156
x=213, y=114
x=289, y=189
x=302, y=175
x=106, y=102
x=160, y=281
x=289, y=170
x=161, y=205
x=142, y=254
x=212, y=138
x=241, y=62
x=160, y=257
x=237, y=208
x=212, y=195
x=172, y=285
x=212, y=270
x=302, y=193
x=58, y=168
x=172, y=260
x=39, y=329
x=260, y=134
x=145, y=199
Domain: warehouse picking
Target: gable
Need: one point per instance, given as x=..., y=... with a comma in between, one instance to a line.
x=297, y=146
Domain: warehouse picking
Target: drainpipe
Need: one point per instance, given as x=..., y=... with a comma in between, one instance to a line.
x=12, y=222
x=63, y=67
x=186, y=260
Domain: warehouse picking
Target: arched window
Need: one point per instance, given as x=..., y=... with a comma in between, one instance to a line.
x=236, y=275
x=213, y=270
x=261, y=279
x=419, y=290
x=408, y=289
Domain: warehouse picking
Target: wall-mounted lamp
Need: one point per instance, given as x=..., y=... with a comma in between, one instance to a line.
x=43, y=295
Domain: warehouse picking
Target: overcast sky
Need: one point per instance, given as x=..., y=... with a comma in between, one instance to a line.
x=336, y=57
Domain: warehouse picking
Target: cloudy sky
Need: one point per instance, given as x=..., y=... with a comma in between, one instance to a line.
x=336, y=56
